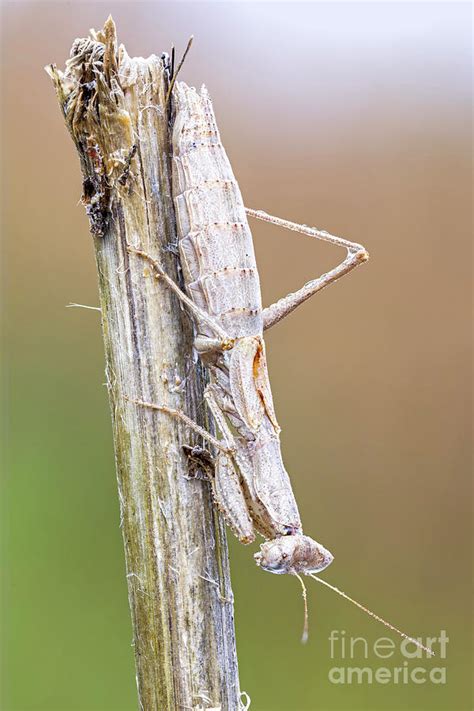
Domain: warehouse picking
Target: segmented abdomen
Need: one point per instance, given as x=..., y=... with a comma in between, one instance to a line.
x=215, y=241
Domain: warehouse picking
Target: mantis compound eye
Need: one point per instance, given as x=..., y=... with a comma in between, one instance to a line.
x=293, y=554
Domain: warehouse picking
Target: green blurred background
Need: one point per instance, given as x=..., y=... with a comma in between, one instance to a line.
x=352, y=117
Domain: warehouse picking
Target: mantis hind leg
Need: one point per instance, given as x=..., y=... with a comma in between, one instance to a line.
x=356, y=254
x=222, y=341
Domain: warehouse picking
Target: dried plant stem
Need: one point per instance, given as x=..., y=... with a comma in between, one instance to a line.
x=175, y=545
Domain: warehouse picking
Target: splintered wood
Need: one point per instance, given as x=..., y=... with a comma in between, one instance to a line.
x=175, y=547
x=158, y=183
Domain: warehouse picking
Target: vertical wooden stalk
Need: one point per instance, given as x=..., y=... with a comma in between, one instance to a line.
x=175, y=545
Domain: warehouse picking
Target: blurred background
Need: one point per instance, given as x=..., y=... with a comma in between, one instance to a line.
x=350, y=117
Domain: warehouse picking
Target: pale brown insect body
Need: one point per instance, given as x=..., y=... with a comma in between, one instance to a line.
x=221, y=277
x=251, y=486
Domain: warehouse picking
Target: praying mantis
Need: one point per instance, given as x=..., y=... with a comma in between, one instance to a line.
x=250, y=484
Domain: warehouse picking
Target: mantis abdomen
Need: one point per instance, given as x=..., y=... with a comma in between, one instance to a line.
x=215, y=242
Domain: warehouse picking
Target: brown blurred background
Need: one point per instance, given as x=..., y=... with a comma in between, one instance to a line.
x=351, y=117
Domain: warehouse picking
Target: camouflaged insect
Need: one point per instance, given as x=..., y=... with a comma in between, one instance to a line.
x=251, y=485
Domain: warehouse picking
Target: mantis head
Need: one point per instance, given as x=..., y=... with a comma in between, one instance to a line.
x=293, y=554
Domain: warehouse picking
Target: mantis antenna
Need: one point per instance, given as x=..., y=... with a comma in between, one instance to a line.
x=372, y=614
x=304, y=636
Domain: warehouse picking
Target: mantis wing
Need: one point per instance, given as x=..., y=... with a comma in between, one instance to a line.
x=250, y=385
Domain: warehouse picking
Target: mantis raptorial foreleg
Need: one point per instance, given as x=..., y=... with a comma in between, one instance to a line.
x=356, y=254
x=219, y=417
x=227, y=486
x=225, y=480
